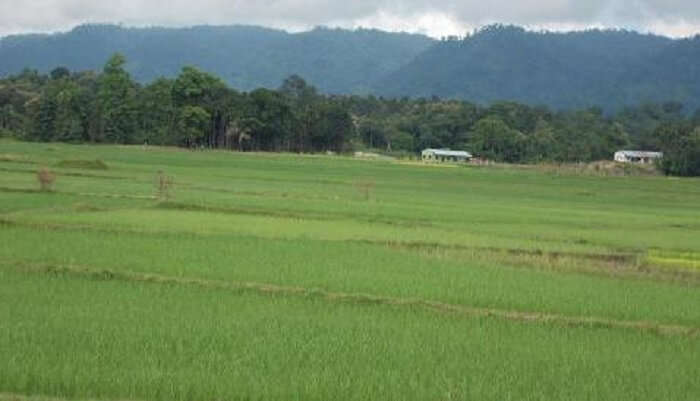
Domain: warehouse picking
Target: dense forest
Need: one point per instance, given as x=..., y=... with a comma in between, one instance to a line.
x=610, y=69
x=199, y=110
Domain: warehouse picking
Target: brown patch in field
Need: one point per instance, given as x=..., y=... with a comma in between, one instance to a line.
x=618, y=265
x=419, y=245
x=86, y=207
x=96, y=164
x=602, y=168
x=46, y=179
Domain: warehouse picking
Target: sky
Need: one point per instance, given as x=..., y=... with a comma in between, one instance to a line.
x=675, y=18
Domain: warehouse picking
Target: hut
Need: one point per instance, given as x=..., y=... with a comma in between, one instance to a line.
x=637, y=156
x=445, y=155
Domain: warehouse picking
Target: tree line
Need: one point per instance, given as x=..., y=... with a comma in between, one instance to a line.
x=198, y=110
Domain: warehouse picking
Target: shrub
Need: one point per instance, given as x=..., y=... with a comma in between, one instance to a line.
x=46, y=179
x=163, y=184
x=365, y=188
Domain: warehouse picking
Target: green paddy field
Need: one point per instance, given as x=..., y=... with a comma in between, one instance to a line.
x=293, y=277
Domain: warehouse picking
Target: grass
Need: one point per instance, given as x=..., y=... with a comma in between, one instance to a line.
x=348, y=267
x=268, y=276
x=198, y=343
x=690, y=260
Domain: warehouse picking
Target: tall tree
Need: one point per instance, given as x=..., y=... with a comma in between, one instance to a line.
x=303, y=100
x=681, y=148
x=193, y=123
x=196, y=88
x=116, y=98
x=494, y=140
x=157, y=113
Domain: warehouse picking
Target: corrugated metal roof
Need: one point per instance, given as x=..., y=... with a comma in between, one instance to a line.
x=640, y=153
x=448, y=153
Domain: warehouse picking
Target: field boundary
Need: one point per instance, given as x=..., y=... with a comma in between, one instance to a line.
x=368, y=299
x=615, y=265
x=22, y=397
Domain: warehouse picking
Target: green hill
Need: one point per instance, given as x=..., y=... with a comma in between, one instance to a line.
x=604, y=68
x=335, y=60
x=607, y=68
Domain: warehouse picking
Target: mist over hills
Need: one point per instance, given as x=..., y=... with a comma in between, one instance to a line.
x=606, y=68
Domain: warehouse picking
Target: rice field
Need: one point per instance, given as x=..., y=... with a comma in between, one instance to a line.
x=150, y=273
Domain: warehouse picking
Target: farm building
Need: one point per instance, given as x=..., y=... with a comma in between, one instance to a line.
x=445, y=155
x=637, y=156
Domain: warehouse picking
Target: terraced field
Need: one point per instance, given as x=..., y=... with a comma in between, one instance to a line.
x=163, y=274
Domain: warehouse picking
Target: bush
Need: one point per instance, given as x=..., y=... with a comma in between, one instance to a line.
x=163, y=184
x=46, y=179
x=365, y=188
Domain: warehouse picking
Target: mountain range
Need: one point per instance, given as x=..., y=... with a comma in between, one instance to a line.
x=604, y=68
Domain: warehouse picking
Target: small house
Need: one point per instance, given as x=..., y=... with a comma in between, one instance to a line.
x=445, y=155
x=637, y=156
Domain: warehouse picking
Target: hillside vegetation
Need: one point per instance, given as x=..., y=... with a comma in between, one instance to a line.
x=246, y=57
x=564, y=70
x=606, y=68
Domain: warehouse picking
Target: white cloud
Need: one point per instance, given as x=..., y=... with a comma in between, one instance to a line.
x=436, y=18
x=432, y=23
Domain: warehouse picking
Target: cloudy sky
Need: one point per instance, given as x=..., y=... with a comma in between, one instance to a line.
x=433, y=17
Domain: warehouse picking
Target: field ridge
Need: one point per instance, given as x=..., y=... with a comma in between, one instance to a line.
x=360, y=298
x=21, y=397
x=621, y=265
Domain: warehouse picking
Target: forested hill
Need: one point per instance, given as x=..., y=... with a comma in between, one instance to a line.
x=608, y=69
x=564, y=70
x=335, y=60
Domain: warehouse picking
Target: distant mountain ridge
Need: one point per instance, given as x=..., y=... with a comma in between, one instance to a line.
x=247, y=57
x=610, y=68
x=606, y=68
